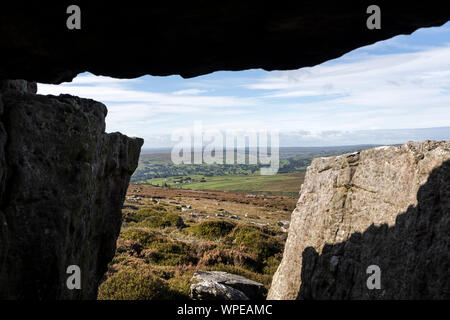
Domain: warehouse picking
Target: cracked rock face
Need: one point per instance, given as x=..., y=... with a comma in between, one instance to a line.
x=388, y=206
x=62, y=184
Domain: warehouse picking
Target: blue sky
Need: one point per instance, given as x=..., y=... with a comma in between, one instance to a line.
x=378, y=94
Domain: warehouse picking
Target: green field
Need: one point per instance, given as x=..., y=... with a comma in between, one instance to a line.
x=283, y=184
x=156, y=168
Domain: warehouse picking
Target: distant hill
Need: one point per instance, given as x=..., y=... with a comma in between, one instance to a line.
x=156, y=168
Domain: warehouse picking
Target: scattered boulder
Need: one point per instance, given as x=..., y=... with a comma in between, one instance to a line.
x=283, y=223
x=210, y=290
x=219, y=285
x=134, y=198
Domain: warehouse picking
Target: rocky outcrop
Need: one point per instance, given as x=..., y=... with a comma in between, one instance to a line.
x=62, y=185
x=194, y=37
x=389, y=207
x=218, y=285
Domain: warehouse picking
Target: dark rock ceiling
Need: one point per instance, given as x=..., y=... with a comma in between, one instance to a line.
x=192, y=38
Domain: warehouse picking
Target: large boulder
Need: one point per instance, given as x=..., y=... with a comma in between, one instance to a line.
x=387, y=206
x=62, y=185
x=218, y=285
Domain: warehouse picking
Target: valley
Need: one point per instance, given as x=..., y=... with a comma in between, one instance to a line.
x=180, y=219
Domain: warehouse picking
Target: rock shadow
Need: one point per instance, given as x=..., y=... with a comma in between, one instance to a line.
x=413, y=255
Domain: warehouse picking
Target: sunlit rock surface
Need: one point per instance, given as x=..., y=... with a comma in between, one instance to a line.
x=388, y=206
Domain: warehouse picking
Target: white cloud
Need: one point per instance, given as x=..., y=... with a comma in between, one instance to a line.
x=139, y=112
x=107, y=94
x=407, y=90
x=189, y=92
x=422, y=74
x=364, y=90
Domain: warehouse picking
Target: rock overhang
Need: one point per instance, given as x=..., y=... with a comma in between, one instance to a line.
x=193, y=38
